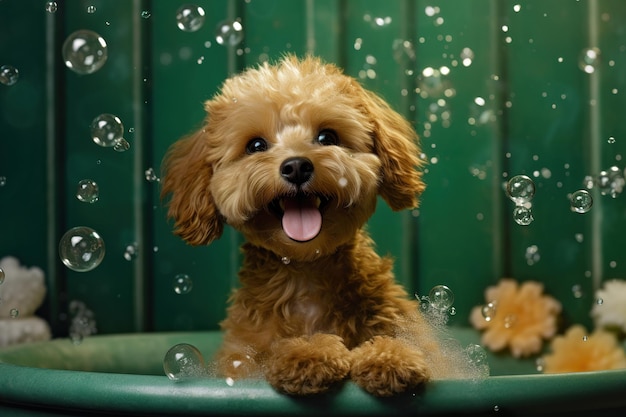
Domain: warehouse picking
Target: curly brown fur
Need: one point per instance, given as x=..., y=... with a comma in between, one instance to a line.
x=316, y=303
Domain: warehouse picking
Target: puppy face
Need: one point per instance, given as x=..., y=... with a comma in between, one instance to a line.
x=293, y=156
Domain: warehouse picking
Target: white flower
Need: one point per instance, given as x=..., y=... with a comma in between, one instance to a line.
x=609, y=309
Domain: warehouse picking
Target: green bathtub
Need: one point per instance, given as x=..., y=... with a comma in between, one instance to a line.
x=123, y=375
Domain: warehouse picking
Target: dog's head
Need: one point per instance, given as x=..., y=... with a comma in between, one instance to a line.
x=293, y=156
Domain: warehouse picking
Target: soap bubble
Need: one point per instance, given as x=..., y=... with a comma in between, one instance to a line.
x=581, y=201
x=81, y=249
x=182, y=284
x=189, y=17
x=183, y=361
x=1, y=275
x=151, y=175
x=84, y=52
x=532, y=254
x=477, y=355
x=441, y=297
x=107, y=129
x=589, y=60
x=520, y=189
x=87, y=191
x=8, y=75
x=83, y=322
x=523, y=216
x=13, y=313
x=611, y=182
x=286, y=260
x=121, y=145
x=51, y=6
x=489, y=311
x=229, y=33
x=130, y=252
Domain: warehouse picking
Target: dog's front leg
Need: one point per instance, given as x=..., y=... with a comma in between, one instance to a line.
x=385, y=366
x=307, y=364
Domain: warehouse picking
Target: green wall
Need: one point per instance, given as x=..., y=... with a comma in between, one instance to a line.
x=509, y=99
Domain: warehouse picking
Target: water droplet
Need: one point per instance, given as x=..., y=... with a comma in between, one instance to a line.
x=581, y=201
x=489, y=310
x=467, y=57
x=342, y=182
x=520, y=189
x=145, y=14
x=183, y=361
x=121, y=145
x=182, y=284
x=441, y=297
x=540, y=363
x=8, y=75
x=577, y=291
x=611, y=139
x=286, y=260
x=585, y=338
x=51, y=6
x=91, y=9
x=151, y=175
x=87, y=191
x=81, y=249
x=106, y=129
x=13, y=313
x=523, y=216
x=452, y=311
x=509, y=321
x=600, y=301
x=589, y=60
x=85, y=52
x=130, y=252
x=229, y=33
x=1, y=276
x=3, y=181
x=189, y=17
x=532, y=255
x=496, y=408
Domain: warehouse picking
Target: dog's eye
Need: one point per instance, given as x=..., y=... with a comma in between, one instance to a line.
x=327, y=137
x=256, y=145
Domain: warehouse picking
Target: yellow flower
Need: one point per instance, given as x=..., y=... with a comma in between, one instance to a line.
x=577, y=351
x=516, y=316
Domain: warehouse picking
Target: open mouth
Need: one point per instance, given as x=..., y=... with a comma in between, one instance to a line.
x=300, y=215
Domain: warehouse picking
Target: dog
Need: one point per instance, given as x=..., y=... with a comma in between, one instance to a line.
x=294, y=156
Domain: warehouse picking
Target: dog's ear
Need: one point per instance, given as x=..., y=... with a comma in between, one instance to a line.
x=396, y=144
x=187, y=176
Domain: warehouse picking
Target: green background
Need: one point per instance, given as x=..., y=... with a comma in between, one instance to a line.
x=542, y=116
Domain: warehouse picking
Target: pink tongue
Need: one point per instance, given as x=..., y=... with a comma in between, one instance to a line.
x=302, y=220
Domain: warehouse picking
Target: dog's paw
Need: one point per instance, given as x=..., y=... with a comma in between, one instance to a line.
x=308, y=364
x=384, y=366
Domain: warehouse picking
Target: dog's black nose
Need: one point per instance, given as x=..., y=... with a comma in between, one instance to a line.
x=296, y=170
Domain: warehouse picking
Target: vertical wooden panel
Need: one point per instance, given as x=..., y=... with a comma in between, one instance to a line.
x=186, y=69
x=109, y=289
x=459, y=118
x=548, y=141
x=23, y=194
